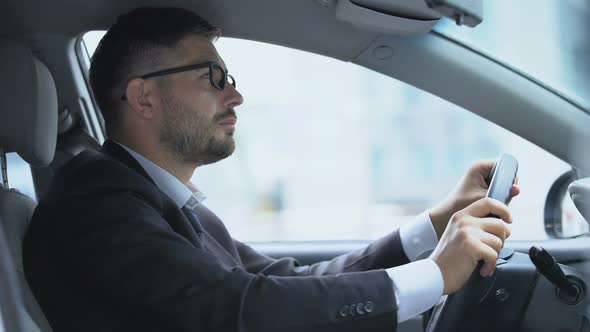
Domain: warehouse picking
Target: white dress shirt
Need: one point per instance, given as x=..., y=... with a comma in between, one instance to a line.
x=418, y=286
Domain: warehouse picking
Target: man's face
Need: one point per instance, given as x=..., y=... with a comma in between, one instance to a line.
x=197, y=120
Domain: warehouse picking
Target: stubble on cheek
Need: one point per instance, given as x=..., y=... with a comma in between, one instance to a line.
x=192, y=136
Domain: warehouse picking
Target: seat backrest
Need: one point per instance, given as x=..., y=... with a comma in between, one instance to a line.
x=28, y=126
x=69, y=144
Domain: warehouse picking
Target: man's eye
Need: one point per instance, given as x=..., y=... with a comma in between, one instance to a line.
x=206, y=75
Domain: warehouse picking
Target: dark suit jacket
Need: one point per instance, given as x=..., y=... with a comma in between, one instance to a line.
x=108, y=251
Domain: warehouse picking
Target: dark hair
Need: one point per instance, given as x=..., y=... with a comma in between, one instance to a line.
x=133, y=45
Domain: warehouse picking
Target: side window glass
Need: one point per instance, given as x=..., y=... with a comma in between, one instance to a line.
x=333, y=151
x=327, y=150
x=20, y=176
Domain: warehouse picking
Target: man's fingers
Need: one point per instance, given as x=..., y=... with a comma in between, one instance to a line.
x=486, y=206
x=484, y=167
x=490, y=257
x=492, y=241
x=515, y=190
x=494, y=226
x=490, y=245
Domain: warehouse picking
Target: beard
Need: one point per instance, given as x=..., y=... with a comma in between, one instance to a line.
x=192, y=137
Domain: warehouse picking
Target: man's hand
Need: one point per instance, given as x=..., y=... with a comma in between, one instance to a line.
x=471, y=237
x=471, y=188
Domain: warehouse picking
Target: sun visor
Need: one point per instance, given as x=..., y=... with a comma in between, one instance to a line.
x=407, y=17
x=580, y=193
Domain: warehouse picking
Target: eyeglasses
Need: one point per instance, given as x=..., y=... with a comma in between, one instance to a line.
x=217, y=75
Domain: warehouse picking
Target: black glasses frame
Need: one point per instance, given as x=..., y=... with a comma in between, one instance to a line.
x=225, y=77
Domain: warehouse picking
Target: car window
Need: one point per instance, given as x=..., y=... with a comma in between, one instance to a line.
x=547, y=40
x=19, y=175
x=328, y=150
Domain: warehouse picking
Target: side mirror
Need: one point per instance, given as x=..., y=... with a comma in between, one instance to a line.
x=579, y=191
x=567, y=207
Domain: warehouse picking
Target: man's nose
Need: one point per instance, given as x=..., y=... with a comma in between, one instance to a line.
x=232, y=97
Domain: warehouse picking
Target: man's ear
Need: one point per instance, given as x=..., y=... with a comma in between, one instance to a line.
x=139, y=95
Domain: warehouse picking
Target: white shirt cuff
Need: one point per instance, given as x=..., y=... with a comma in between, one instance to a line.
x=418, y=286
x=418, y=236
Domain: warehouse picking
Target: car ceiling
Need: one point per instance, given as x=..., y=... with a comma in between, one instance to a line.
x=292, y=22
x=430, y=62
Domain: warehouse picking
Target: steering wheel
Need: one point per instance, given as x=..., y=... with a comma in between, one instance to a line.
x=449, y=315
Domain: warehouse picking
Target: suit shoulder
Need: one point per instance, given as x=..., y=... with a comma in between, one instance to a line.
x=92, y=173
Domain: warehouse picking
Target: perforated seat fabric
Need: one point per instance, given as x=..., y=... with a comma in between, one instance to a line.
x=28, y=126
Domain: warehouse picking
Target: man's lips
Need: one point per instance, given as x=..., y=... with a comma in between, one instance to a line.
x=229, y=121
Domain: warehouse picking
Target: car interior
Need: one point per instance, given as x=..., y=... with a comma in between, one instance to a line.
x=48, y=115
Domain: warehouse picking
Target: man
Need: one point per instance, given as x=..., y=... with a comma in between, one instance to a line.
x=122, y=243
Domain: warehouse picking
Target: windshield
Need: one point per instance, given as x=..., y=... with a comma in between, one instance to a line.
x=545, y=39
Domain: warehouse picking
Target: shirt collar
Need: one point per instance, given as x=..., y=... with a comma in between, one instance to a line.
x=180, y=193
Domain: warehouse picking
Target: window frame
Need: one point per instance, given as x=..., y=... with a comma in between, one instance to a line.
x=91, y=114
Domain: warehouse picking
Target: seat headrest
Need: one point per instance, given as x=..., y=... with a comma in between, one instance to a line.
x=28, y=104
